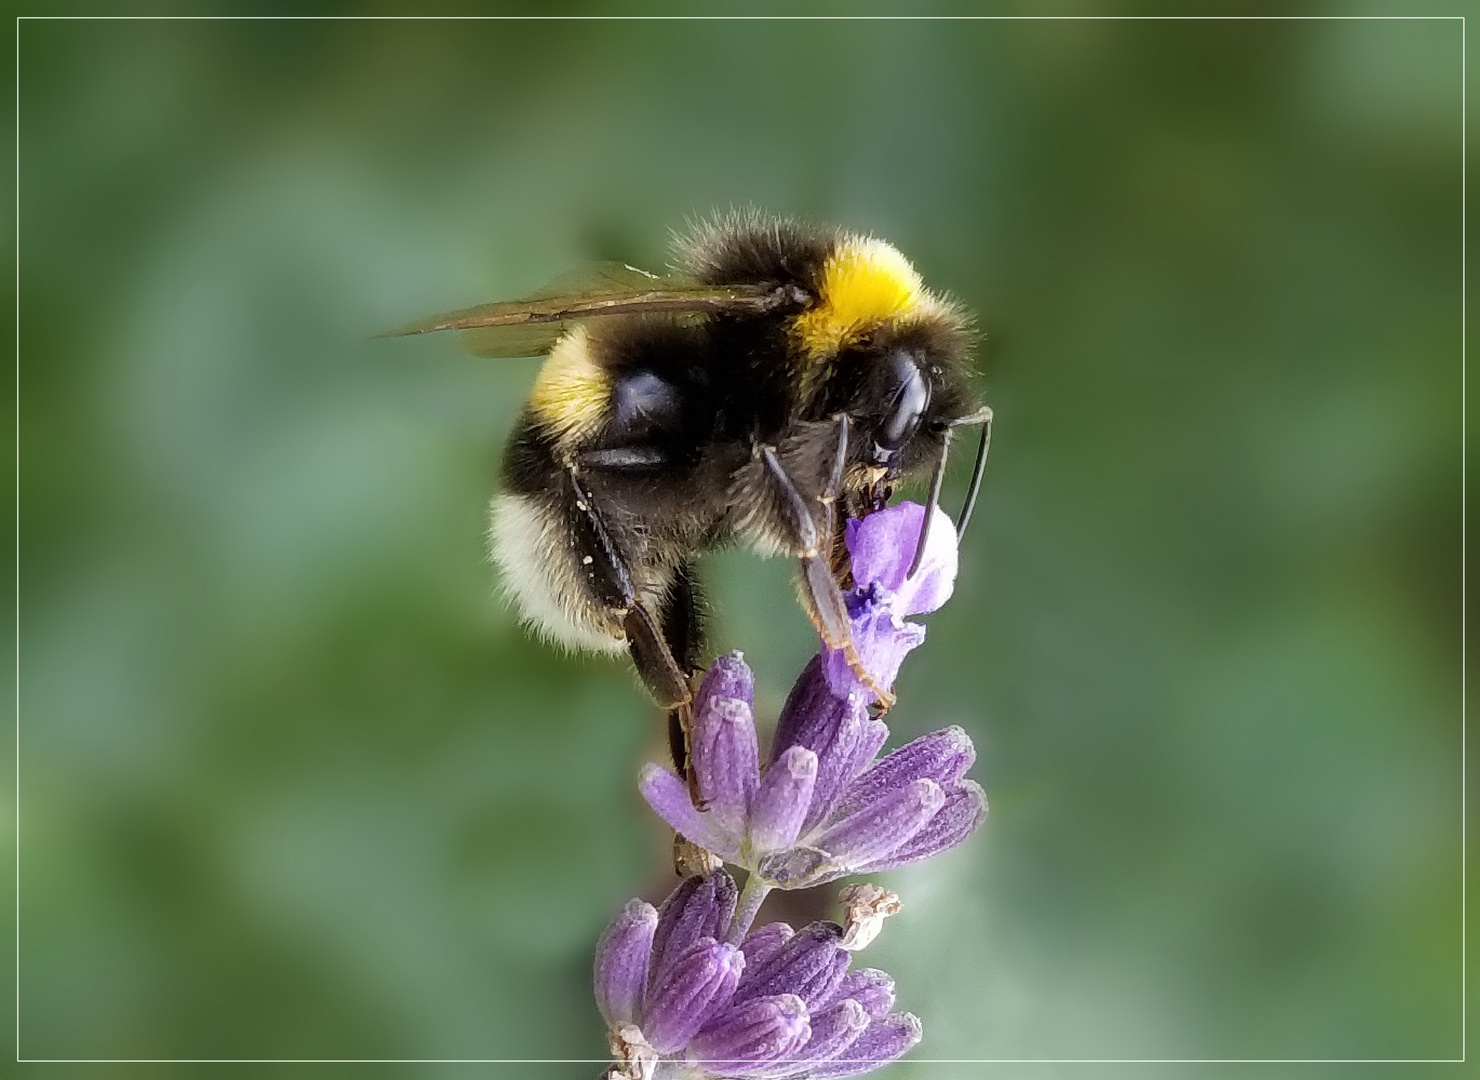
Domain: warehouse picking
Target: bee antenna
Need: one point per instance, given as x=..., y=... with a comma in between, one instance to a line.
x=985, y=419
x=936, y=479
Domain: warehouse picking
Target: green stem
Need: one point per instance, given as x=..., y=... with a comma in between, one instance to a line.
x=749, y=905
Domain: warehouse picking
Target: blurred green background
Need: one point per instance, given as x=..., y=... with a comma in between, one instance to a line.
x=293, y=782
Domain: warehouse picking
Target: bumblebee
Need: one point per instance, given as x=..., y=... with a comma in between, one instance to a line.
x=785, y=378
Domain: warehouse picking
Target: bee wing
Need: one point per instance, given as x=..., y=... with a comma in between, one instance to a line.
x=599, y=277
x=501, y=342
x=537, y=338
x=530, y=326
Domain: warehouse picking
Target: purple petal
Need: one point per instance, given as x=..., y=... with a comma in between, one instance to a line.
x=781, y=802
x=745, y=1038
x=964, y=809
x=812, y=712
x=727, y=678
x=870, y=987
x=837, y=729
x=725, y=760
x=701, y=907
x=622, y=962
x=884, y=1041
x=882, y=546
x=802, y=966
x=881, y=641
x=760, y=944
x=819, y=986
x=942, y=756
x=834, y=1031
x=857, y=741
x=669, y=798
x=698, y=984
x=883, y=825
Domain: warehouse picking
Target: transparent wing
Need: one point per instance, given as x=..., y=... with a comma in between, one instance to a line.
x=538, y=338
x=599, y=277
x=530, y=326
x=502, y=342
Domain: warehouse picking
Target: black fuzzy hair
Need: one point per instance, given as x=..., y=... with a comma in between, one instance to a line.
x=748, y=246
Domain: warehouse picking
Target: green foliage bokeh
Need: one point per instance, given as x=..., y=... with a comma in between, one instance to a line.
x=294, y=783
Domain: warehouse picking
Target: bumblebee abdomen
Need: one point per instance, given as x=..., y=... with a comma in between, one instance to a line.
x=541, y=535
x=528, y=540
x=571, y=396
x=634, y=382
x=549, y=580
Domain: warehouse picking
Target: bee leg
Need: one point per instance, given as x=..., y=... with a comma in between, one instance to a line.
x=678, y=740
x=823, y=597
x=684, y=634
x=679, y=619
x=609, y=578
x=827, y=610
x=663, y=677
x=669, y=684
x=832, y=550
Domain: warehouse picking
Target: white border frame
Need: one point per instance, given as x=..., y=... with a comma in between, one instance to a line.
x=1464, y=310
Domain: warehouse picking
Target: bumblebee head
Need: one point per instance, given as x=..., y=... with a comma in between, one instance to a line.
x=905, y=385
x=883, y=348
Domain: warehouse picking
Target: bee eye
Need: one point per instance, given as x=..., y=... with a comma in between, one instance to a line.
x=908, y=403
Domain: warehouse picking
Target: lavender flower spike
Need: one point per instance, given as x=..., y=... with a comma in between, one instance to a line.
x=780, y=1005
x=823, y=807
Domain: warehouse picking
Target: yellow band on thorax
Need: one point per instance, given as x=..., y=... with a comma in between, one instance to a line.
x=863, y=284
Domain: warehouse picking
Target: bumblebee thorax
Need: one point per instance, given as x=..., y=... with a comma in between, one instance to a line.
x=864, y=283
